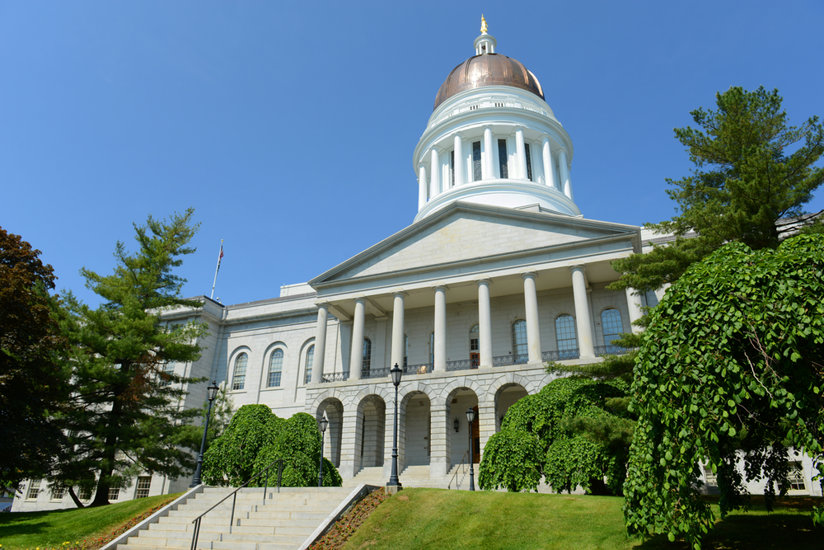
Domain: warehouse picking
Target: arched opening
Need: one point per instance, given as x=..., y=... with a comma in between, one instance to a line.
x=612, y=328
x=333, y=409
x=458, y=401
x=505, y=397
x=416, y=429
x=369, y=433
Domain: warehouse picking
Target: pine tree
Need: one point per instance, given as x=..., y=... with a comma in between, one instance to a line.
x=125, y=417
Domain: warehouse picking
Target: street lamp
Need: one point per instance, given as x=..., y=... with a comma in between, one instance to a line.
x=323, y=423
x=470, y=417
x=211, y=394
x=394, y=484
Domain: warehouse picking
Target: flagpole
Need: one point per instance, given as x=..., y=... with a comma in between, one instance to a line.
x=217, y=268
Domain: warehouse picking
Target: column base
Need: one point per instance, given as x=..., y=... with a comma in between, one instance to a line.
x=392, y=489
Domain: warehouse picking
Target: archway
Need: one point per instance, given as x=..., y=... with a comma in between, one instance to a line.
x=369, y=435
x=458, y=401
x=416, y=429
x=333, y=409
x=505, y=397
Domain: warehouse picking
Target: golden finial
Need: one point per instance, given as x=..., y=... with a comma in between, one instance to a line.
x=484, y=28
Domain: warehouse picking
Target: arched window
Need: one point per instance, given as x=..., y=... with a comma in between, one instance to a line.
x=275, y=368
x=474, y=348
x=310, y=358
x=566, y=337
x=612, y=328
x=520, y=350
x=367, y=356
x=239, y=374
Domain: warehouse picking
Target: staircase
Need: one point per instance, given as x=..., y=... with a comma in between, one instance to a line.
x=286, y=520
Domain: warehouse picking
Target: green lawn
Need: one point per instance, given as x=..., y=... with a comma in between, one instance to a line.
x=436, y=518
x=52, y=529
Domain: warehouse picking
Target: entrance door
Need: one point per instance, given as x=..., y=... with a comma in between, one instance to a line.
x=476, y=438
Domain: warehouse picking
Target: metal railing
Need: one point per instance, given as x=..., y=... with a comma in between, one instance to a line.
x=461, y=364
x=611, y=349
x=334, y=377
x=463, y=467
x=233, y=494
x=423, y=368
x=560, y=355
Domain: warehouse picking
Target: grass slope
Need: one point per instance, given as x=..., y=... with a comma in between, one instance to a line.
x=52, y=529
x=436, y=518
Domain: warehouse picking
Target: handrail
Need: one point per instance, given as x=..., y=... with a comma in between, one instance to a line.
x=233, y=494
x=462, y=465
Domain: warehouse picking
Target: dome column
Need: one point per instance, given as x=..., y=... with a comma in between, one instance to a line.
x=458, y=168
x=421, y=186
x=434, y=174
x=488, y=167
x=520, y=150
x=563, y=166
x=546, y=151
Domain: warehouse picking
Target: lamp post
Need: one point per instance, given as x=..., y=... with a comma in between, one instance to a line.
x=470, y=417
x=211, y=394
x=323, y=423
x=394, y=484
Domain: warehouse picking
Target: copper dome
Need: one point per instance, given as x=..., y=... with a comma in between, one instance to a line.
x=489, y=69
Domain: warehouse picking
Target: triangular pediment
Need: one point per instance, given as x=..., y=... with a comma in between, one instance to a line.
x=463, y=233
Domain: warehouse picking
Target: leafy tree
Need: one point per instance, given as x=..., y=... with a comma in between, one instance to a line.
x=542, y=436
x=125, y=417
x=731, y=362
x=32, y=379
x=751, y=169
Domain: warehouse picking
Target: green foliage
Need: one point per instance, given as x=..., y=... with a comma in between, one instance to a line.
x=32, y=376
x=255, y=438
x=555, y=433
x=730, y=361
x=750, y=169
x=125, y=416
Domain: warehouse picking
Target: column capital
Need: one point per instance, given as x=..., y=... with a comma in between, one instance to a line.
x=443, y=288
x=581, y=268
x=400, y=293
x=486, y=282
x=529, y=275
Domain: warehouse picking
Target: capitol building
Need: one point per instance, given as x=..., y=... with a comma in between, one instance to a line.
x=498, y=273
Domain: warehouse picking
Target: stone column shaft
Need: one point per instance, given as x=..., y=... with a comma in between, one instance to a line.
x=320, y=345
x=533, y=330
x=583, y=321
x=484, y=324
x=459, y=161
x=421, y=186
x=350, y=434
x=440, y=329
x=487, y=166
x=356, y=353
x=546, y=152
x=398, y=350
x=634, y=308
x=520, y=151
x=434, y=174
x=563, y=166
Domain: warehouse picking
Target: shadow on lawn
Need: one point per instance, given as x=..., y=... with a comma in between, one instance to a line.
x=754, y=532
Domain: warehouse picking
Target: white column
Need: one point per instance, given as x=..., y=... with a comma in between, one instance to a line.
x=320, y=345
x=484, y=324
x=583, y=322
x=459, y=161
x=563, y=166
x=421, y=186
x=634, y=308
x=520, y=151
x=434, y=174
x=440, y=329
x=397, y=354
x=487, y=166
x=356, y=353
x=549, y=176
x=533, y=330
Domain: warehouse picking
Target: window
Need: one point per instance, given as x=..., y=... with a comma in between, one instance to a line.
x=85, y=493
x=239, y=375
x=565, y=335
x=502, y=158
x=275, y=368
x=57, y=492
x=796, y=476
x=476, y=161
x=474, y=349
x=34, y=489
x=452, y=168
x=528, y=162
x=310, y=359
x=520, y=351
x=165, y=375
x=366, y=364
x=612, y=328
x=114, y=493
x=432, y=349
x=143, y=484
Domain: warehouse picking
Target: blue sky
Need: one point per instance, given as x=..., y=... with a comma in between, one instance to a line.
x=290, y=126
